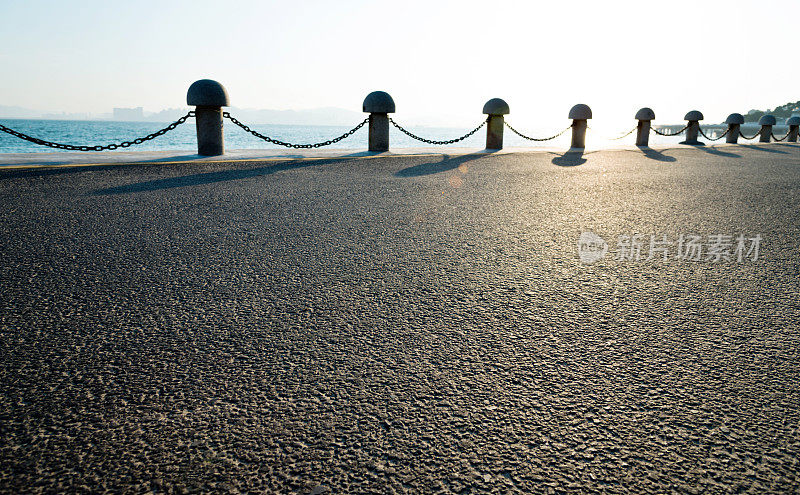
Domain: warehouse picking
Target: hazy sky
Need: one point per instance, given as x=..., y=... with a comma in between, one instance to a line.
x=440, y=60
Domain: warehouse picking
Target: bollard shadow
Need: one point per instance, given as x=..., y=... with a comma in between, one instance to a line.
x=718, y=152
x=571, y=158
x=447, y=163
x=45, y=171
x=656, y=155
x=49, y=168
x=761, y=148
x=210, y=177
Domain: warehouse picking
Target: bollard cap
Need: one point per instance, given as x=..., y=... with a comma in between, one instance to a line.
x=766, y=120
x=207, y=93
x=378, y=102
x=735, y=118
x=496, y=106
x=645, y=113
x=793, y=121
x=580, y=112
x=693, y=116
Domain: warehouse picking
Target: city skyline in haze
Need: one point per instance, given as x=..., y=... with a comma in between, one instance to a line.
x=439, y=60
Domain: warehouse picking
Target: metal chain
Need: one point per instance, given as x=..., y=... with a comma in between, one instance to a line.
x=753, y=137
x=123, y=144
x=716, y=138
x=625, y=135
x=523, y=136
x=228, y=116
x=430, y=141
x=781, y=139
x=667, y=133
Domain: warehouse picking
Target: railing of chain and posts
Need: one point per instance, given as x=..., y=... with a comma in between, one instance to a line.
x=210, y=131
x=378, y=104
x=579, y=114
x=644, y=117
x=794, y=129
x=495, y=110
x=734, y=121
x=209, y=97
x=766, y=122
x=693, y=118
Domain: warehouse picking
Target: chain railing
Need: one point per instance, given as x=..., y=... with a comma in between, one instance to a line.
x=667, y=134
x=776, y=138
x=72, y=147
x=625, y=135
x=431, y=141
x=246, y=128
x=716, y=138
x=268, y=139
x=750, y=137
x=523, y=136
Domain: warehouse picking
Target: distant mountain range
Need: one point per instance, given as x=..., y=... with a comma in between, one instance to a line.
x=782, y=112
x=314, y=116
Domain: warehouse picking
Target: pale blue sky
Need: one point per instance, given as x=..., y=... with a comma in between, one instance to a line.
x=440, y=60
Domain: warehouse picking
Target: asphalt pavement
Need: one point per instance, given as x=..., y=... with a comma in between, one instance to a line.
x=404, y=324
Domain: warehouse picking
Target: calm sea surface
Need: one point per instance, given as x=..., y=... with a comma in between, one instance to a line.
x=91, y=133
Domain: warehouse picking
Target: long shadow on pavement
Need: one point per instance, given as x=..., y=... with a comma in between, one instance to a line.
x=656, y=155
x=761, y=148
x=445, y=164
x=715, y=151
x=570, y=158
x=211, y=177
x=53, y=168
x=29, y=173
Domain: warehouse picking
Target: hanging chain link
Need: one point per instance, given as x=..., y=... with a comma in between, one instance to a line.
x=430, y=141
x=625, y=135
x=124, y=144
x=523, y=136
x=716, y=138
x=268, y=139
x=780, y=139
x=753, y=137
x=667, y=133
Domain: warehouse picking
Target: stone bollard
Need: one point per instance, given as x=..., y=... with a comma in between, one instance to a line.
x=694, y=117
x=495, y=109
x=794, y=128
x=734, y=121
x=378, y=104
x=208, y=97
x=579, y=114
x=644, y=116
x=766, y=122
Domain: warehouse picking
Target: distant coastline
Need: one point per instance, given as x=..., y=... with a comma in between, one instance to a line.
x=330, y=116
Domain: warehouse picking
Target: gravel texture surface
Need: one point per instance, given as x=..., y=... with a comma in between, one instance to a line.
x=400, y=324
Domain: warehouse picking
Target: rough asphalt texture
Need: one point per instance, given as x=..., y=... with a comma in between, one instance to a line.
x=386, y=325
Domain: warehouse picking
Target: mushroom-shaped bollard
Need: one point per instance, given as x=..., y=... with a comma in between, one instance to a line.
x=495, y=109
x=579, y=114
x=693, y=128
x=734, y=121
x=766, y=122
x=644, y=116
x=208, y=97
x=378, y=104
x=794, y=128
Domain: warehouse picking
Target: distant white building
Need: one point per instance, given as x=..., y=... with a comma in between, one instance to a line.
x=129, y=113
